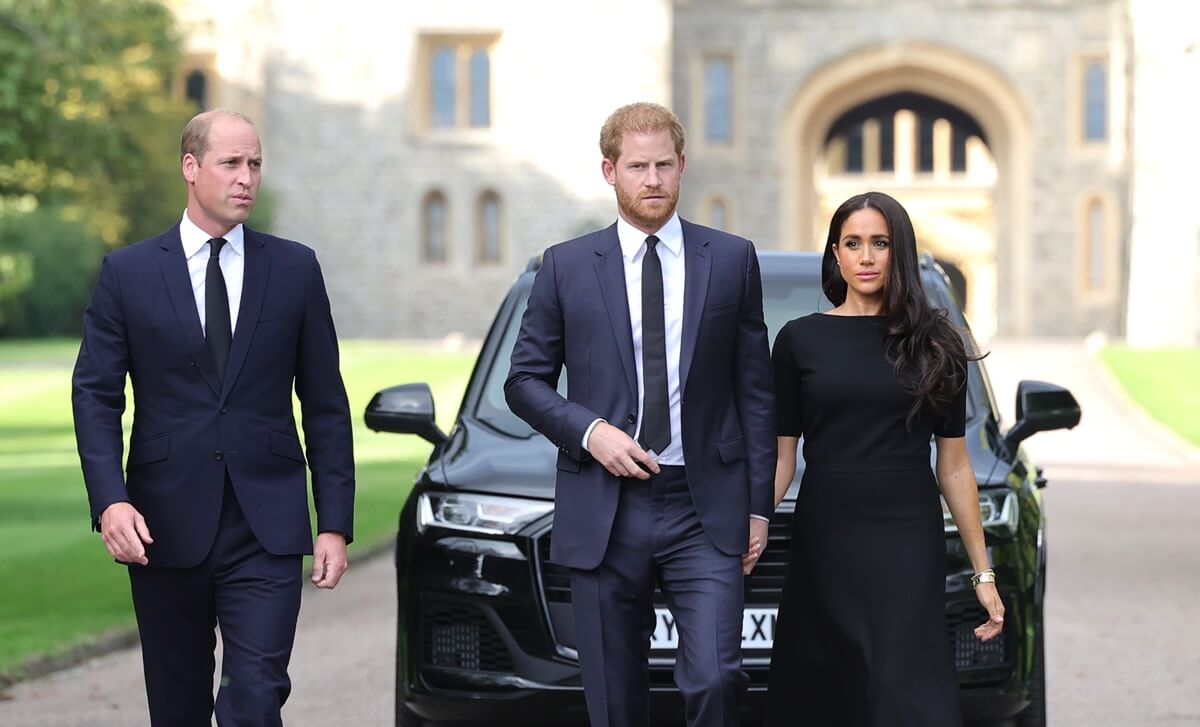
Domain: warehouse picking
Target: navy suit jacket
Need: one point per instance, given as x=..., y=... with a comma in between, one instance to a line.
x=188, y=429
x=578, y=317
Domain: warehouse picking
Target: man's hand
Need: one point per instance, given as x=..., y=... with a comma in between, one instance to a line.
x=619, y=454
x=329, y=559
x=758, y=543
x=125, y=533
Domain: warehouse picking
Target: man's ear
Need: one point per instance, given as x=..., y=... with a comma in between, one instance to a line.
x=188, y=166
x=609, y=170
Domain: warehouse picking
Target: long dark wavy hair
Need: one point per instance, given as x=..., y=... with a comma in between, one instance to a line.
x=923, y=346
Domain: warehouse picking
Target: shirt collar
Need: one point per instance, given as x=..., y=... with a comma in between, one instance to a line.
x=194, y=239
x=633, y=240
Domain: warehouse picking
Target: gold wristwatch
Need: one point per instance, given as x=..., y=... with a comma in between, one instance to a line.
x=983, y=576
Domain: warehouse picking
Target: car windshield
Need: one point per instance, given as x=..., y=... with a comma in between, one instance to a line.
x=783, y=300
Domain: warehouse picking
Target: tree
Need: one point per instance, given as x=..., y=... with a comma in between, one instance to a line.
x=90, y=132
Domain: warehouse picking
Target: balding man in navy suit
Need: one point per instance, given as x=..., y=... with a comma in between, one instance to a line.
x=215, y=325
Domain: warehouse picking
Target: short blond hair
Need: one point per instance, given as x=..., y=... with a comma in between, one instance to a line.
x=195, y=134
x=642, y=117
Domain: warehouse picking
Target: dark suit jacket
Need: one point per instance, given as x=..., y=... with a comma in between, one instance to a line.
x=187, y=429
x=578, y=317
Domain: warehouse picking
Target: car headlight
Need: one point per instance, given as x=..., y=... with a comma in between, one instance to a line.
x=999, y=512
x=478, y=513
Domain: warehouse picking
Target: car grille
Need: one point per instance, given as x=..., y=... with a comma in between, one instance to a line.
x=458, y=636
x=765, y=586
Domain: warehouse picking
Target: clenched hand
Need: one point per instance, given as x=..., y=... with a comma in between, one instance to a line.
x=329, y=559
x=125, y=533
x=619, y=454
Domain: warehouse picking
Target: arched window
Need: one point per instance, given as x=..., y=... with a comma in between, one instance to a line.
x=195, y=89
x=433, y=228
x=1095, y=245
x=1095, y=104
x=718, y=214
x=488, y=236
x=443, y=89
x=718, y=100
x=480, y=84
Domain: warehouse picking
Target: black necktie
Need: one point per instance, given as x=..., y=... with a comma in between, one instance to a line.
x=218, y=329
x=656, y=415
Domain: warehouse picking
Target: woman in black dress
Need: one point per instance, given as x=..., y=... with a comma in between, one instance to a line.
x=861, y=632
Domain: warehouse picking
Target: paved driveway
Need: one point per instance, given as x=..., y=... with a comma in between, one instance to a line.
x=1123, y=647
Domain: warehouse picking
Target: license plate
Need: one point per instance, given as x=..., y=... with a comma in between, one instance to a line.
x=758, y=629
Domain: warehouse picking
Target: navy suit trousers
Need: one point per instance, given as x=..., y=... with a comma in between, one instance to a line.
x=657, y=539
x=253, y=596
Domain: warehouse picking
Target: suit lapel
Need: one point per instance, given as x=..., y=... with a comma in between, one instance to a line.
x=254, y=289
x=610, y=269
x=696, y=267
x=183, y=300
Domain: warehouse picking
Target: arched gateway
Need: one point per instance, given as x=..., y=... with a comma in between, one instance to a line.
x=943, y=132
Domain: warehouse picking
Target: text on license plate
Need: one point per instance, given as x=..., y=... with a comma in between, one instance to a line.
x=758, y=629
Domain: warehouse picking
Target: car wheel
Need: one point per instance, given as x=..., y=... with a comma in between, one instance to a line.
x=1035, y=714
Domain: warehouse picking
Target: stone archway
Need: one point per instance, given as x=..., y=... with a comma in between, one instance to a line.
x=942, y=73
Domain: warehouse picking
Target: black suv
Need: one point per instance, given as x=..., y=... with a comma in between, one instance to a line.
x=485, y=631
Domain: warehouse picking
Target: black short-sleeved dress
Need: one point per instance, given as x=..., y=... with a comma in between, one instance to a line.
x=861, y=632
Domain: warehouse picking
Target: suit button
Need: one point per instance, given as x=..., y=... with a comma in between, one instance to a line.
x=218, y=456
x=191, y=363
x=224, y=410
x=632, y=419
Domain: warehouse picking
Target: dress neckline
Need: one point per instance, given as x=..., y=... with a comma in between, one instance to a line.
x=870, y=317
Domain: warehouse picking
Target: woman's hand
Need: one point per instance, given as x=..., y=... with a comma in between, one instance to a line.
x=989, y=598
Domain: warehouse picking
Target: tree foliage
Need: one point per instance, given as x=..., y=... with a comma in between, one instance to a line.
x=90, y=130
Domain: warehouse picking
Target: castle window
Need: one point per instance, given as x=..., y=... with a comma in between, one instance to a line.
x=1095, y=102
x=488, y=235
x=457, y=81
x=718, y=214
x=433, y=228
x=1095, y=245
x=443, y=92
x=195, y=89
x=718, y=100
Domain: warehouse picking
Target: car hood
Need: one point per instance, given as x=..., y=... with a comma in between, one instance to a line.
x=477, y=458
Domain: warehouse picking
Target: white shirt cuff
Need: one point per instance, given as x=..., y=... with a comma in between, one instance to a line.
x=588, y=434
x=760, y=517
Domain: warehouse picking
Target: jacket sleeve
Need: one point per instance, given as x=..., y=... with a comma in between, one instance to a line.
x=754, y=390
x=98, y=394
x=325, y=413
x=531, y=388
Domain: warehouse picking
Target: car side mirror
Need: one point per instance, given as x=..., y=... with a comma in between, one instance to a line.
x=1041, y=407
x=404, y=409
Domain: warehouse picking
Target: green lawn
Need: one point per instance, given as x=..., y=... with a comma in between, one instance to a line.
x=1163, y=381
x=60, y=585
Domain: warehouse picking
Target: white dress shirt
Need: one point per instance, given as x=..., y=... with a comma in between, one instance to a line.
x=670, y=253
x=232, y=261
